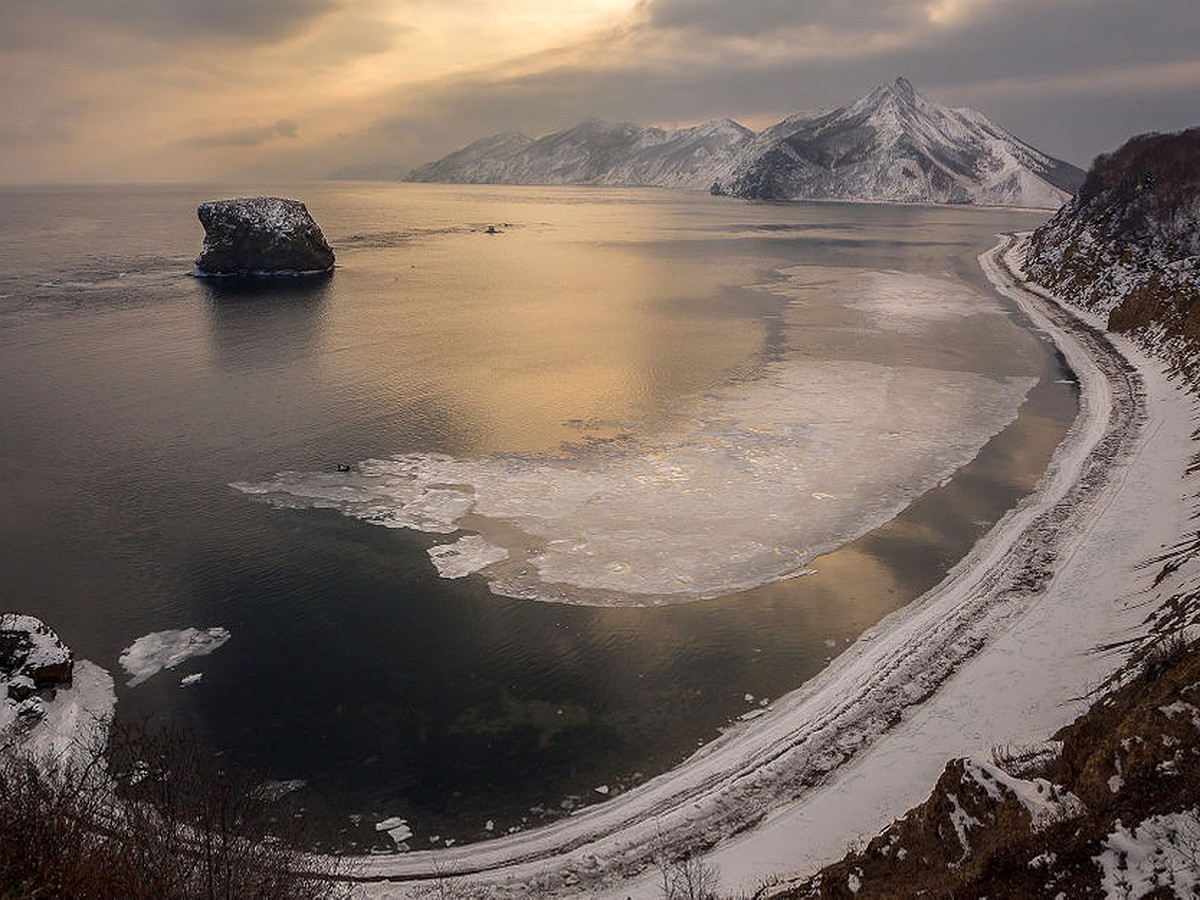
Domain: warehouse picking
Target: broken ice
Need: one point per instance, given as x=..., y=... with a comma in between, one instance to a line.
x=744, y=486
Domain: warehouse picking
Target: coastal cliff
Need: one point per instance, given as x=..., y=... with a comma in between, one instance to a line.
x=1127, y=246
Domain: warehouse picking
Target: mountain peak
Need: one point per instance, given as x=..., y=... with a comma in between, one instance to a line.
x=893, y=144
x=903, y=88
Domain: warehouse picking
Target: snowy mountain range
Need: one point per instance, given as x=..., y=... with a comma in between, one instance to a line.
x=891, y=145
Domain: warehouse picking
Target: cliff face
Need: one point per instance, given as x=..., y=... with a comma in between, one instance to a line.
x=1128, y=245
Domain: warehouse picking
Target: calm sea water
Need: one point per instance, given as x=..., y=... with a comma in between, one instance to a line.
x=134, y=395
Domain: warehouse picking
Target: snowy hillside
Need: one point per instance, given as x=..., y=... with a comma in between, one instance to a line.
x=596, y=153
x=1128, y=246
x=1108, y=809
x=891, y=145
x=896, y=145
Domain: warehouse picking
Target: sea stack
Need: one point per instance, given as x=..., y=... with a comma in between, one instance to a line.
x=261, y=236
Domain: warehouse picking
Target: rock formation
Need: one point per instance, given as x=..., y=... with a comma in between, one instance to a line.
x=261, y=236
x=31, y=656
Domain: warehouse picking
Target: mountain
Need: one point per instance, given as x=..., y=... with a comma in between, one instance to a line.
x=1128, y=245
x=896, y=145
x=596, y=153
x=891, y=145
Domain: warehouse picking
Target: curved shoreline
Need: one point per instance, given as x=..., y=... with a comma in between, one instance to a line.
x=733, y=783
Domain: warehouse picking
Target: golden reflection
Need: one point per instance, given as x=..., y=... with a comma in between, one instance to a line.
x=553, y=331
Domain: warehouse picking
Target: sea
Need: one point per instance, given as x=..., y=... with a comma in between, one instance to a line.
x=499, y=525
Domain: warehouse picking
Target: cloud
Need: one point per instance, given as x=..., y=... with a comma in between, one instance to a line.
x=183, y=20
x=243, y=137
x=760, y=17
x=174, y=89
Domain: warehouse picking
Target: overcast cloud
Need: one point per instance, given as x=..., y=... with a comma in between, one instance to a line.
x=166, y=89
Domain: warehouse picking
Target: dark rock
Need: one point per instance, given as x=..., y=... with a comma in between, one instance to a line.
x=20, y=687
x=261, y=236
x=31, y=652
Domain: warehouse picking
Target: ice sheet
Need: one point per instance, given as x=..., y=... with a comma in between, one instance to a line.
x=747, y=485
x=753, y=482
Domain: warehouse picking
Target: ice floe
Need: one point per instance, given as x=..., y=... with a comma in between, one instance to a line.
x=744, y=486
x=397, y=829
x=151, y=653
x=737, y=492
x=465, y=556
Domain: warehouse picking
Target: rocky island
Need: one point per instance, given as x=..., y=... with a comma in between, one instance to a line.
x=251, y=236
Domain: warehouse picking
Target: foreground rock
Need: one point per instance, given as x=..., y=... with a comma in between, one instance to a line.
x=31, y=654
x=261, y=236
x=32, y=659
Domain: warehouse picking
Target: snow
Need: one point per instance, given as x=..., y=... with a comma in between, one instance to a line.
x=963, y=822
x=76, y=720
x=1160, y=853
x=875, y=729
x=160, y=650
x=832, y=449
x=276, y=790
x=45, y=647
x=1045, y=802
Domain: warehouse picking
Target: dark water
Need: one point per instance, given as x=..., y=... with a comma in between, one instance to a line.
x=132, y=395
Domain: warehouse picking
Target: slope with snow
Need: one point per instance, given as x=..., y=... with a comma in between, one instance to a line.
x=891, y=145
x=596, y=152
x=896, y=145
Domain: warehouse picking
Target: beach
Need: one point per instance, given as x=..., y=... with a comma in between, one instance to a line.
x=1002, y=652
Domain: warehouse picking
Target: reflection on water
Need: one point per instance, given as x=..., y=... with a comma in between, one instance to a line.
x=265, y=322
x=134, y=394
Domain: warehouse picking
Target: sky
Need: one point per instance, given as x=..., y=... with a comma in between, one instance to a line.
x=278, y=90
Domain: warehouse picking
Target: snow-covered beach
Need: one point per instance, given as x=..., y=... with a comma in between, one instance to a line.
x=838, y=759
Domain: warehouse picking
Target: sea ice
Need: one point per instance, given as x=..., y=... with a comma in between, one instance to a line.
x=397, y=829
x=466, y=555
x=894, y=301
x=188, y=680
x=742, y=486
x=151, y=653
